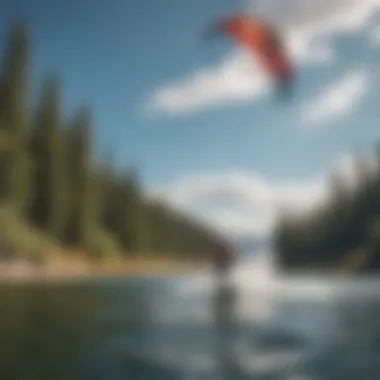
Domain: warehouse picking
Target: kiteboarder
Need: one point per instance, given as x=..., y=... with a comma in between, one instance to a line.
x=223, y=258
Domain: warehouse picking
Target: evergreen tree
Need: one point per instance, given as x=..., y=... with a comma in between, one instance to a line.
x=139, y=228
x=79, y=174
x=48, y=144
x=14, y=120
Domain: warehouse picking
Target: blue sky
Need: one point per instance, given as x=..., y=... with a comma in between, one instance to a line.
x=199, y=118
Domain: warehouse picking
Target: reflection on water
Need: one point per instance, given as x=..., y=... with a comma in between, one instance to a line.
x=44, y=330
x=152, y=329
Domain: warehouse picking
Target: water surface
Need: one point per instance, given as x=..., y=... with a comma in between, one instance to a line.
x=164, y=328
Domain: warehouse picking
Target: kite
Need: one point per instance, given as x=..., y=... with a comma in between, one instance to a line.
x=264, y=42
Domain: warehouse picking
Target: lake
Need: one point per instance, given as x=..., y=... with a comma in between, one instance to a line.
x=174, y=328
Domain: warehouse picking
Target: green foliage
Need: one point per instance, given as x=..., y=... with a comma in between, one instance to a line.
x=48, y=147
x=50, y=179
x=18, y=239
x=14, y=117
x=102, y=245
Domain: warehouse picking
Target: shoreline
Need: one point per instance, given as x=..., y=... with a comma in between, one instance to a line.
x=67, y=267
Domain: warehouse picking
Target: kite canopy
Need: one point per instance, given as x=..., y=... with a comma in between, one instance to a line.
x=262, y=40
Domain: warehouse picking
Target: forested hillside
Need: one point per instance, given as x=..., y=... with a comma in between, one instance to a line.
x=342, y=234
x=55, y=191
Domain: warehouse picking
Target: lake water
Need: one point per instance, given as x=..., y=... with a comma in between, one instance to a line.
x=166, y=328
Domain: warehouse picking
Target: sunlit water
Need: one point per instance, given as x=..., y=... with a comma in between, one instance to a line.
x=164, y=328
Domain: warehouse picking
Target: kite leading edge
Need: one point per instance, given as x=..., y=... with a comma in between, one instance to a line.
x=262, y=41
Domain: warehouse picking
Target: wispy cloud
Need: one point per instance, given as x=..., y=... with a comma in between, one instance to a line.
x=308, y=26
x=338, y=98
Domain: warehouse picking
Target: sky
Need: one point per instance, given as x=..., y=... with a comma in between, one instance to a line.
x=200, y=119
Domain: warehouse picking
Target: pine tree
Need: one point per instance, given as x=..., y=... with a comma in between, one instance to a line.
x=79, y=172
x=48, y=147
x=15, y=118
x=139, y=229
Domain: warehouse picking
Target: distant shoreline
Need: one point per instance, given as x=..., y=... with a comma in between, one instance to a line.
x=70, y=267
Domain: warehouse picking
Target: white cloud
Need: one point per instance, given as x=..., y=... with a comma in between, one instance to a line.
x=235, y=79
x=338, y=97
x=308, y=26
x=238, y=203
x=242, y=203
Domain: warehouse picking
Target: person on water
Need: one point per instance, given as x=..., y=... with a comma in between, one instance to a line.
x=223, y=258
x=224, y=300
